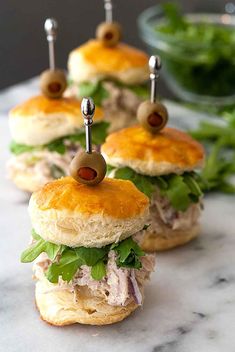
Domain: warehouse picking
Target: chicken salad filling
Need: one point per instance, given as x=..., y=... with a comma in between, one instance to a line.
x=115, y=272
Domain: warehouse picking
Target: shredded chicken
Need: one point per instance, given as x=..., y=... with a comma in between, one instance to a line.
x=43, y=165
x=163, y=215
x=119, y=287
x=121, y=102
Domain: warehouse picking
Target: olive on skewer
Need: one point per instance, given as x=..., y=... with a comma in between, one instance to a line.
x=109, y=32
x=153, y=115
x=52, y=81
x=88, y=167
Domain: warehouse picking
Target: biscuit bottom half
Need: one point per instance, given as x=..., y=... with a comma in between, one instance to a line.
x=59, y=307
x=153, y=241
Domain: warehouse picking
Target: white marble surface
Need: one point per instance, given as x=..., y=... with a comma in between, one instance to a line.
x=190, y=302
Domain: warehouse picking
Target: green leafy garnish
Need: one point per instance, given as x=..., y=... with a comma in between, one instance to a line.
x=99, y=133
x=31, y=253
x=181, y=190
x=128, y=253
x=143, y=183
x=220, y=163
x=98, y=92
x=199, y=52
x=17, y=148
x=95, y=90
x=98, y=270
x=66, y=260
x=141, y=90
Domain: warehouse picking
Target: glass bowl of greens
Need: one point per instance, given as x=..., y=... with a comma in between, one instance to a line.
x=197, y=50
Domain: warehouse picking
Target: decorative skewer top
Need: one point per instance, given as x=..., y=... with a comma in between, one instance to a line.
x=109, y=32
x=88, y=110
x=151, y=114
x=88, y=167
x=108, y=6
x=53, y=81
x=154, y=67
x=51, y=27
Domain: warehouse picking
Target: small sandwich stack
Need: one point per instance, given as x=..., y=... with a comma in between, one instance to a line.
x=46, y=135
x=46, y=130
x=112, y=73
x=88, y=267
x=160, y=161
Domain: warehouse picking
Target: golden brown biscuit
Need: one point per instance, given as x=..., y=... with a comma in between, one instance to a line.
x=40, y=120
x=94, y=60
x=169, y=239
x=59, y=307
x=170, y=151
x=67, y=212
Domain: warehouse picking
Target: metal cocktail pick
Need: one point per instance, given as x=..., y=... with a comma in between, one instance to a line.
x=108, y=6
x=88, y=110
x=154, y=67
x=109, y=32
x=151, y=114
x=53, y=80
x=88, y=166
x=51, y=27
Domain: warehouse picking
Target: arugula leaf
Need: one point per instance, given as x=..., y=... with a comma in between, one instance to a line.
x=110, y=168
x=128, y=253
x=99, y=133
x=17, y=148
x=98, y=92
x=180, y=190
x=210, y=59
x=211, y=132
x=141, y=90
x=98, y=270
x=143, y=183
x=31, y=253
x=71, y=259
x=218, y=170
x=56, y=146
x=178, y=193
x=220, y=163
x=35, y=235
x=95, y=90
x=90, y=256
x=68, y=265
x=174, y=17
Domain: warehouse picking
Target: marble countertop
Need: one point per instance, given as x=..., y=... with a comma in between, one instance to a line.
x=190, y=301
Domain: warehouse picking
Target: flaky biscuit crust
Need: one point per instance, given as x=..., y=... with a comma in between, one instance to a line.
x=40, y=120
x=67, y=212
x=59, y=308
x=169, y=239
x=170, y=151
x=94, y=60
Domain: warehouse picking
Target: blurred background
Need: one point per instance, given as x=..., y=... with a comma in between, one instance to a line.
x=23, y=46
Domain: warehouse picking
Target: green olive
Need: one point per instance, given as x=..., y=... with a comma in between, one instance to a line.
x=53, y=83
x=152, y=116
x=88, y=168
x=109, y=33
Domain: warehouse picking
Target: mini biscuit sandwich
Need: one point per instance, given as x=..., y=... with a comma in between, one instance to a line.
x=47, y=131
x=88, y=267
x=161, y=161
x=114, y=74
